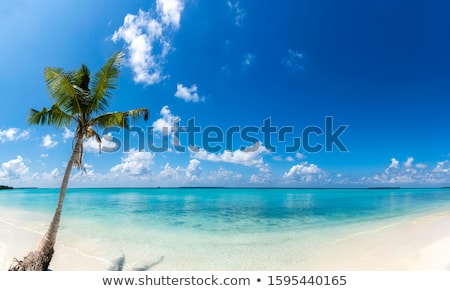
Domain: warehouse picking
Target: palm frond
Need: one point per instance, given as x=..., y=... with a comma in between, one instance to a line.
x=136, y=114
x=53, y=116
x=120, y=119
x=104, y=81
x=82, y=78
x=60, y=86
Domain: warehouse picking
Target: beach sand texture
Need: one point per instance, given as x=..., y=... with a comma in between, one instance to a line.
x=418, y=244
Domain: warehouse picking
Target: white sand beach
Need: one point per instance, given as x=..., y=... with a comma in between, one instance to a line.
x=18, y=237
x=418, y=244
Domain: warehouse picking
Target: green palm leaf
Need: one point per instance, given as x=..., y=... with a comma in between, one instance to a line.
x=104, y=81
x=120, y=119
x=60, y=86
x=53, y=116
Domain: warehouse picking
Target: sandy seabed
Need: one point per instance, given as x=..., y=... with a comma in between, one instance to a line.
x=418, y=244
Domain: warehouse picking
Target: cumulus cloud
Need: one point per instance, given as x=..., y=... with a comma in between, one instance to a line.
x=54, y=174
x=134, y=163
x=299, y=156
x=304, y=172
x=188, y=94
x=147, y=38
x=421, y=166
x=441, y=167
x=243, y=157
x=166, y=122
x=394, y=164
x=170, y=11
x=180, y=175
x=193, y=170
x=68, y=134
x=172, y=174
x=223, y=174
x=14, y=169
x=13, y=134
x=248, y=60
x=294, y=61
x=237, y=11
x=91, y=145
x=48, y=143
x=409, y=162
x=407, y=173
x=264, y=175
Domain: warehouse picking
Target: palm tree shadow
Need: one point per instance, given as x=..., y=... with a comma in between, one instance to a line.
x=149, y=266
x=118, y=264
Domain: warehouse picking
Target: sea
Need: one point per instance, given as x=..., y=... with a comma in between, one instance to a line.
x=215, y=228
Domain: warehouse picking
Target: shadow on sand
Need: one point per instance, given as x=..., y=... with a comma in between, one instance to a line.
x=119, y=263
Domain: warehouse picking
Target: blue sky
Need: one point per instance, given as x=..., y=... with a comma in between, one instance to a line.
x=382, y=68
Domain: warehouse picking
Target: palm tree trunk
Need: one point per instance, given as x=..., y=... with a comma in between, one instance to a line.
x=39, y=259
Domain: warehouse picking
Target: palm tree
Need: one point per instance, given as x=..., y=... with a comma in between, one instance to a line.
x=77, y=101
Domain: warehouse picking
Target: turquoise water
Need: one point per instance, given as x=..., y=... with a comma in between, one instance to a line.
x=229, y=209
x=191, y=224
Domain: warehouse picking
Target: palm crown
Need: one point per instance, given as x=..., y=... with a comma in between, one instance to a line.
x=80, y=101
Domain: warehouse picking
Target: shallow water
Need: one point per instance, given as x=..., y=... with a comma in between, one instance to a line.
x=224, y=229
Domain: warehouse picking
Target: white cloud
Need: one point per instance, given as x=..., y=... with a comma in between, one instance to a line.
x=223, y=174
x=408, y=174
x=172, y=174
x=179, y=175
x=43, y=155
x=166, y=122
x=14, y=169
x=304, y=172
x=146, y=37
x=238, y=12
x=193, y=170
x=188, y=94
x=294, y=61
x=68, y=134
x=91, y=145
x=441, y=167
x=280, y=158
x=248, y=60
x=170, y=11
x=134, y=163
x=394, y=164
x=409, y=162
x=52, y=175
x=299, y=156
x=421, y=166
x=264, y=175
x=249, y=157
x=303, y=168
x=13, y=134
x=48, y=143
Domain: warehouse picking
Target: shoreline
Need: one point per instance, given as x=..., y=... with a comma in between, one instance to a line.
x=417, y=243
x=16, y=240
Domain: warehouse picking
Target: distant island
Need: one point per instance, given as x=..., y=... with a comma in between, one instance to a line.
x=3, y=187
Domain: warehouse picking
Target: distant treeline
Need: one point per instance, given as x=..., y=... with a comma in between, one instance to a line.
x=3, y=187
